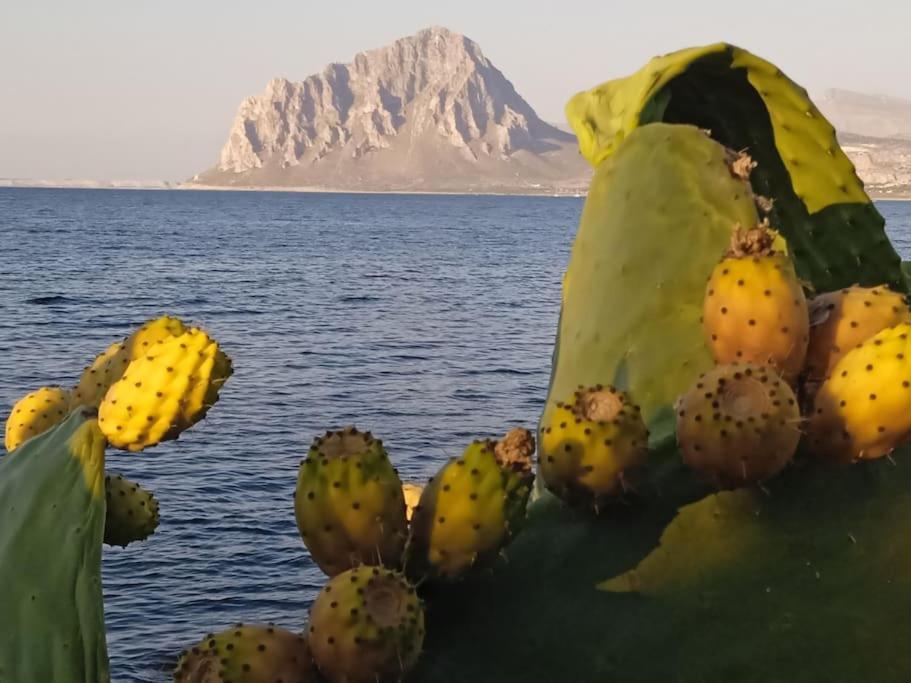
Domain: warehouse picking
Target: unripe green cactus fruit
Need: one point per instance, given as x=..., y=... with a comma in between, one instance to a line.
x=366, y=626
x=248, y=653
x=349, y=504
x=132, y=512
x=472, y=508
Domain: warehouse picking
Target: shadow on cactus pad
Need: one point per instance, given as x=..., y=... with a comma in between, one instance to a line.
x=808, y=581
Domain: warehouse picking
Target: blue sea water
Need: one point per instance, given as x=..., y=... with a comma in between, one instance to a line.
x=426, y=319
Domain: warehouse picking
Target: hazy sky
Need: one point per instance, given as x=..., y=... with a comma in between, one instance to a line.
x=147, y=89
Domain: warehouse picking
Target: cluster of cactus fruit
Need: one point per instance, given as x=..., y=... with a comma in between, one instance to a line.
x=846, y=356
x=141, y=391
x=378, y=539
x=147, y=388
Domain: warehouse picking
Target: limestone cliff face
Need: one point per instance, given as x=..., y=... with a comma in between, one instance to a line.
x=428, y=112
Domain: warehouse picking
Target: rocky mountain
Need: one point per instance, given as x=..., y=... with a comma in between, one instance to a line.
x=884, y=164
x=875, y=132
x=428, y=113
x=874, y=116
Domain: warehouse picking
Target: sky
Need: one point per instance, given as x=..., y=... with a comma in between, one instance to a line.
x=147, y=89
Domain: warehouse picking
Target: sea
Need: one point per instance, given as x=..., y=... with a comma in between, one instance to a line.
x=426, y=319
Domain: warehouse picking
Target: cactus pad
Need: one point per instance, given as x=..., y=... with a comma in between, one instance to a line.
x=247, y=654
x=163, y=392
x=366, y=626
x=659, y=214
x=349, y=504
x=52, y=506
x=836, y=234
x=36, y=413
x=132, y=512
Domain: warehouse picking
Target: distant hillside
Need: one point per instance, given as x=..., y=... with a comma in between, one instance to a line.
x=867, y=115
x=427, y=113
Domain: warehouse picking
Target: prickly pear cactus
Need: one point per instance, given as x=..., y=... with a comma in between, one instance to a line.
x=247, y=654
x=802, y=579
x=594, y=448
x=110, y=365
x=366, y=626
x=755, y=310
x=52, y=508
x=738, y=424
x=863, y=411
x=164, y=391
x=836, y=235
x=36, y=413
x=659, y=214
x=470, y=510
x=132, y=511
x=841, y=320
x=349, y=504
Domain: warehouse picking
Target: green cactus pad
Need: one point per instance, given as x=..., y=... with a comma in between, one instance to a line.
x=836, y=234
x=52, y=510
x=658, y=217
x=132, y=511
x=806, y=581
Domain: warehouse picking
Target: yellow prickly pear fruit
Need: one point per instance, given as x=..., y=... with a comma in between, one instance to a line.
x=247, y=654
x=412, y=495
x=36, y=413
x=841, y=320
x=366, y=626
x=592, y=448
x=349, y=505
x=863, y=410
x=755, y=310
x=472, y=508
x=163, y=392
x=738, y=424
x=109, y=366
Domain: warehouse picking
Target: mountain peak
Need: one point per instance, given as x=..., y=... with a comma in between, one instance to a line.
x=423, y=105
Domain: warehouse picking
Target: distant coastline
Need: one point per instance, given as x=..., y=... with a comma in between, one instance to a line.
x=902, y=195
